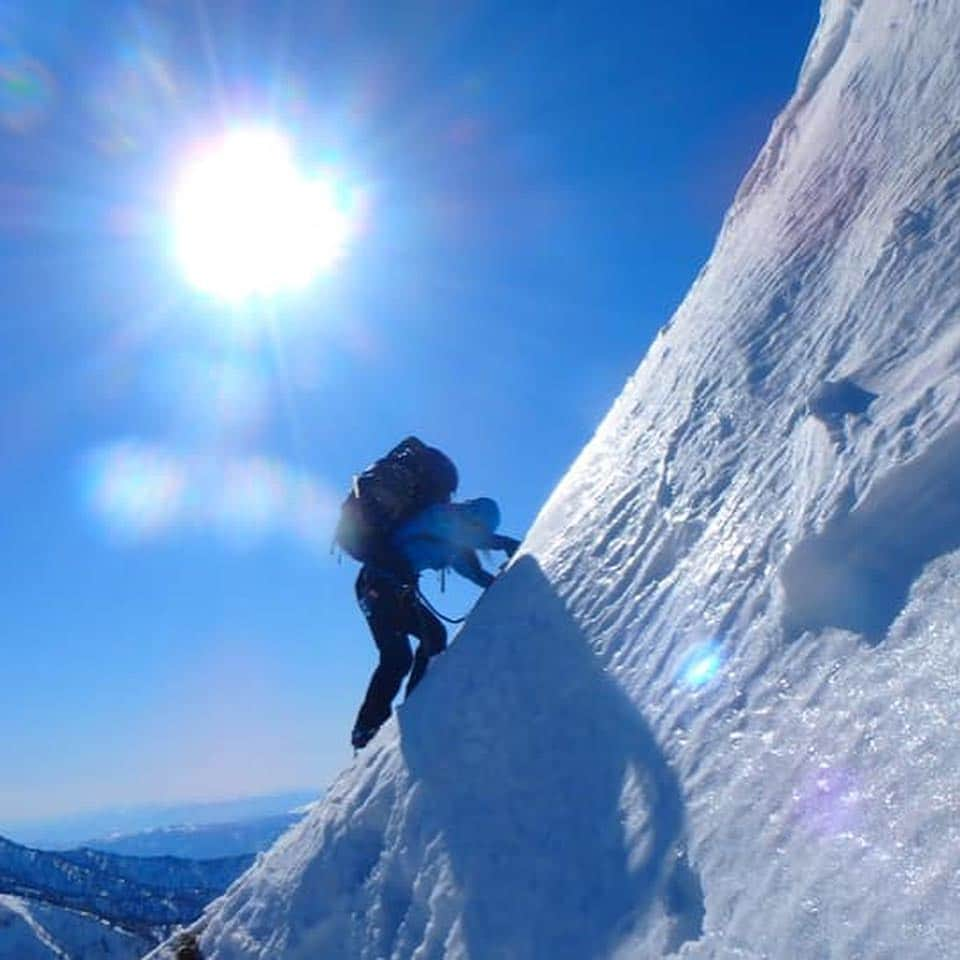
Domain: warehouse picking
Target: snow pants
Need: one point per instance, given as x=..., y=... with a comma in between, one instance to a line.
x=394, y=613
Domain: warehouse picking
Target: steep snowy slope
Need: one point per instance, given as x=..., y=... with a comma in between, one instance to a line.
x=712, y=708
x=30, y=930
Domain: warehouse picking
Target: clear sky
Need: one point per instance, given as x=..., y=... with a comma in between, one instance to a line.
x=532, y=188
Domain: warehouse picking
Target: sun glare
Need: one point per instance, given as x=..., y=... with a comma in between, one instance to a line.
x=248, y=222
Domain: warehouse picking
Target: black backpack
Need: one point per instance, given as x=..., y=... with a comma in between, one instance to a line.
x=411, y=477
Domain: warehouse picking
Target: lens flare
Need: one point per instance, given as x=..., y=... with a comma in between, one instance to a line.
x=137, y=491
x=247, y=222
x=701, y=664
x=140, y=492
x=27, y=92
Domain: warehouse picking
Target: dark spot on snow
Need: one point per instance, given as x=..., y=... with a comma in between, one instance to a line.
x=836, y=399
x=725, y=427
x=857, y=572
x=683, y=901
x=913, y=224
x=187, y=948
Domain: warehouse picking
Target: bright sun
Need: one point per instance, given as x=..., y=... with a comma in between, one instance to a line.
x=248, y=222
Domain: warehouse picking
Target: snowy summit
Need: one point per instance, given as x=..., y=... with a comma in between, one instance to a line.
x=711, y=709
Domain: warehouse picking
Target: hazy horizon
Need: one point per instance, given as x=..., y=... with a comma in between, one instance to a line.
x=102, y=822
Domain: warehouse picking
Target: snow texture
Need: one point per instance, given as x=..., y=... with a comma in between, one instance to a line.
x=30, y=930
x=711, y=709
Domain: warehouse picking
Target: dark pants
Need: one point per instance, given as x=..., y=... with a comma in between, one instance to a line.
x=394, y=612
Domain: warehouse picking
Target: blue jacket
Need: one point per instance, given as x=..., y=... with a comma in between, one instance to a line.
x=449, y=534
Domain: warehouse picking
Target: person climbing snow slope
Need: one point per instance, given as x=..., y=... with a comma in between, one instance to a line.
x=398, y=521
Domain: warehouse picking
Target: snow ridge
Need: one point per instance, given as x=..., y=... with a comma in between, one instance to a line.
x=833, y=33
x=30, y=930
x=19, y=908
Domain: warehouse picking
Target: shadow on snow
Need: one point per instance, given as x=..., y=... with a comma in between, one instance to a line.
x=561, y=816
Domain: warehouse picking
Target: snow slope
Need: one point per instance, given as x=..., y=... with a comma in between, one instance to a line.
x=711, y=710
x=30, y=930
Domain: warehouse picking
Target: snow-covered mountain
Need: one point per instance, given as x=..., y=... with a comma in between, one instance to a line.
x=32, y=930
x=712, y=708
x=125, y=904
x=203, y=841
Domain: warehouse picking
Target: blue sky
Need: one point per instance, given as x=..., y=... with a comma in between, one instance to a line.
x=535, y=186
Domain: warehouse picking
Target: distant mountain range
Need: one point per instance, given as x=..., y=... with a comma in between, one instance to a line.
x=116, y=897
x=68, y=833
x=144, y=895
x=202, y=842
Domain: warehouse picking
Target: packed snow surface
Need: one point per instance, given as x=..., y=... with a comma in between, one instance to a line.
x=712, y=708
